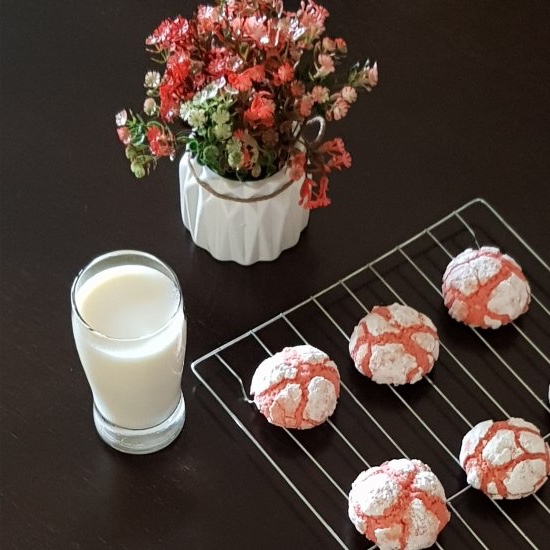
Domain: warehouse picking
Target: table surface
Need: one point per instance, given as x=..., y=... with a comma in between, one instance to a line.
x=461, y=111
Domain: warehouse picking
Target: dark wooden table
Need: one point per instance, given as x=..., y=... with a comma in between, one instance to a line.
x=462, y=110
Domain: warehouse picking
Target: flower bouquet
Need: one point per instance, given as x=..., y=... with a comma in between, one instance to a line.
x=241, y=81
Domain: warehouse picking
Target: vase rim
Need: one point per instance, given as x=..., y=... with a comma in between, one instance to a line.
x=234, y=188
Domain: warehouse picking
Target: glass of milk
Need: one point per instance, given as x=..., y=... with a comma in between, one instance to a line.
x=130, y=331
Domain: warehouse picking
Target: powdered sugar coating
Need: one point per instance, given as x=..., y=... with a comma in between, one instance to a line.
x=485, y=288
x=398, y=505
x=394, y=344
x=505, y=459
x=297, y=387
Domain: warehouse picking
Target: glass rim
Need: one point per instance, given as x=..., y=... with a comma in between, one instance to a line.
x=113, y=254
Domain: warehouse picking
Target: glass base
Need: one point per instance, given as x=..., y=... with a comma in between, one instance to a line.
x=139, y=442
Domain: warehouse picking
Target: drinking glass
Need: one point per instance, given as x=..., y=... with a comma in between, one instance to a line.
x=130, y=332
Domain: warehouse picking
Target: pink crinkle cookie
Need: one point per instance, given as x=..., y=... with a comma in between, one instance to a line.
x=485, y=288
x=394, y=345
x=400, y=505
x=506, y=459
x=297, y=387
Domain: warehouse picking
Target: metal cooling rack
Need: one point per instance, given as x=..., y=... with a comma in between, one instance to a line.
x=479, y=375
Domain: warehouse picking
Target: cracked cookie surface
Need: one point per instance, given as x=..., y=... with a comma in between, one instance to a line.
x=297, y=387
x=485, y=288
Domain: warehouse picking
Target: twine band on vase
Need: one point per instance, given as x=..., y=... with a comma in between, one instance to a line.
x=223, y=196
x=320, y=134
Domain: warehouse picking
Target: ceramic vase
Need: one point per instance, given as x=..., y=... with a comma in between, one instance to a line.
x=244, y=222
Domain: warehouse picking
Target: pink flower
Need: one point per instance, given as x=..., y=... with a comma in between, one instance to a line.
x=254, y=27
x=373, y=75
x=123, y=134
x=349, y=94
x=236, y=24
x=344, y=160
x=329, y=45
x=312, y=18
x=334, y=146
x=339, y=109
x=319, y=94
x=305, y=106
x=325, y=65
x=341, y=45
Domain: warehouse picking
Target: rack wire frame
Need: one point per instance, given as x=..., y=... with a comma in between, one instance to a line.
x=479, y=375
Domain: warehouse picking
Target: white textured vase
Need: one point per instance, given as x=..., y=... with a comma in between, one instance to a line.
x=245, y=222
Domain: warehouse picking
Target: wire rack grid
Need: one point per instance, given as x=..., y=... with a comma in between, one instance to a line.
x=479, y=375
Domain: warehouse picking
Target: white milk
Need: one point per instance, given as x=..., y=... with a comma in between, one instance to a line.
x=133, y=357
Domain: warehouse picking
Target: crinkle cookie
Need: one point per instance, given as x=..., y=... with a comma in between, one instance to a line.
x=297, y=387
x=400, y=505
x=394, y=345
x=505, y=459
x=485, y=288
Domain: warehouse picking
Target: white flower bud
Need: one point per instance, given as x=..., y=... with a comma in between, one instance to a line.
x=121, y=118
x=152, y=79
x=150, y=106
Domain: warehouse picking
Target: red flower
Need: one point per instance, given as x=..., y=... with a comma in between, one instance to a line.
x=240, y=81
x=261, y=110
x=217, y=60
x=333, y=146
x=178, y=65
x=339, y=157
x=313, y=195
x=297, y=166
x=341, y=45
x=169, y=100
x=256, y=73
x=321, y=198
x=160, y=142
x=243, y=81
x=169, y=32
x=271, y=70
x=297, y=88
x=176, y=85
x=305, y=192
x=285, y=73
x=208, y=19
